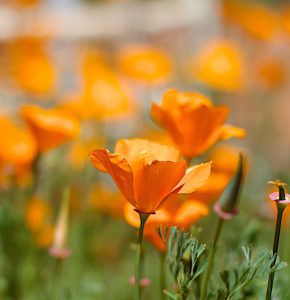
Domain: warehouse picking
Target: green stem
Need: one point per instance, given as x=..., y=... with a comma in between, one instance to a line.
x=211, y=257
x=162, y=275
x=143, y=219
x=280, y=209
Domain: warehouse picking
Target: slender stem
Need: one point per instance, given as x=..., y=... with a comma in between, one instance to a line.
x=280, y=209
x=212, y=253
x=143, y=219
x=162, y=275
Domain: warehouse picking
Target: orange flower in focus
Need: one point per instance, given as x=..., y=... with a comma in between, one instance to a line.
x=103, y=95
x=38, y=218
x=145, y=63
x=148, y=173
x=220, y=66
x=179, y=213
x=225, y=160
x=31, y=66
x=193, y=122
x=258, y=20
x=51, y=127
x=17, y=146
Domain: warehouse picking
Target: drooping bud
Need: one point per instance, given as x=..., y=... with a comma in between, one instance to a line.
x=59, y=249
x=226, y=207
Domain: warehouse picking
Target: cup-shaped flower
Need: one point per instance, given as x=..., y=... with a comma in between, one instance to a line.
x=193, y=122
x=51, y=127
x=148, y=173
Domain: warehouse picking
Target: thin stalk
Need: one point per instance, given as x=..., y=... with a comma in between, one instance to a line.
x=211, y=257
x=280, y=209
x=143, y=219
x=162, y=275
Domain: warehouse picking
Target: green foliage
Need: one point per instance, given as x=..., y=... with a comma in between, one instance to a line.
x=236, y=280
x=186, y=259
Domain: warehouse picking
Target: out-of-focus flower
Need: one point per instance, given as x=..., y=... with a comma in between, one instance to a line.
x=103, y=95
x=270, y=71
x=178, y=213
x=193, y=122
x=256, y=19
x=25, y=3
x=31, y=66
x=145, y=63
x=219, y=65
x=225, y=161
x=51, y=127
x=107, y=202
x=148, y=173
x=18, y=148
x=38, y=221
x=78, y=152
x=59, y=249
x=286, y=18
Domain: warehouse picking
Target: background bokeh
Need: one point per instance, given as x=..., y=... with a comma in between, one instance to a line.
x=105, y=62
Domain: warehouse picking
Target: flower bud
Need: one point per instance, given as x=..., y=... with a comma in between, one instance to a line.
x=226, y=207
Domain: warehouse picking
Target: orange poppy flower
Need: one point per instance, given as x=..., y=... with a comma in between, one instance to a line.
x=219, y=64
x=38, y=213
x=51, y=127
x=258, y=20
x=179, y=213
x=104, y=96
x=107, y=202
x=31, y=66
x=193, y=122
x=145, y=63
x=270, y=71
x=148, y=173
x=17, y=145
x=225, y=160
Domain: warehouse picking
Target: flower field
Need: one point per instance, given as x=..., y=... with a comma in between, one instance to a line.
x=144, y=155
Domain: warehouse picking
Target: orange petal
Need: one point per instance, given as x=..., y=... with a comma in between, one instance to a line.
x=51, y=128
x=190, y=212
x=119, y=169
x=229, y=131
x=154, y=181
x=194, y=178
x=131, y=147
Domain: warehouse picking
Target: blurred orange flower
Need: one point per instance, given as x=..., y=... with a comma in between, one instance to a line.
x=17, y=146
x=270, y=71
x=103, y=95
x=225, y=160
x=38, y=220
x=258, y=20
x=148, y=173
x=179, y=213
x=219, y=64
x=31, y=66
x=106, y=201
x=145, y=63
x=51, y=127
x=78, y=152
x=193, y=122
x=286, y=18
